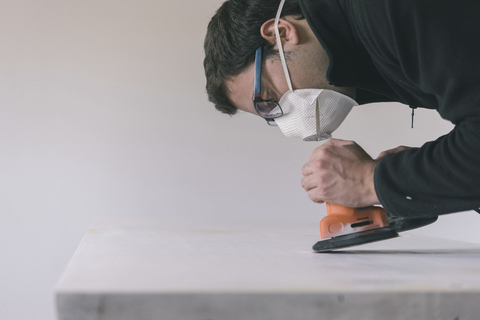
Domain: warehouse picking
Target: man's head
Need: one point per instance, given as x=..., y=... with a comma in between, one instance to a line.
x=235, y=33
x=233, y=36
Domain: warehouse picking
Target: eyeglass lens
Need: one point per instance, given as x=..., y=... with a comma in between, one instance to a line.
x=268, y=109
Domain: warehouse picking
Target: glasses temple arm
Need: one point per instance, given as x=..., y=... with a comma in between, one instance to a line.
x=258, y=71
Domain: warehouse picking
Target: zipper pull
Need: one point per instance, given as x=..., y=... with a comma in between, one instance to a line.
x=413, y=113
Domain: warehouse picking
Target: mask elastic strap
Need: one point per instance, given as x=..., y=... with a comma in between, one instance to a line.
x=317, y=120
x=279, y=44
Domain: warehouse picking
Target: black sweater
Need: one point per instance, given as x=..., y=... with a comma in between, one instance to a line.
x=423, y=53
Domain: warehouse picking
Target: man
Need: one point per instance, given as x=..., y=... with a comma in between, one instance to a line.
x=422, y=53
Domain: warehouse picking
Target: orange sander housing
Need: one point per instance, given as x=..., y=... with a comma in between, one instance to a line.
x=345, y=227
x=342, y=220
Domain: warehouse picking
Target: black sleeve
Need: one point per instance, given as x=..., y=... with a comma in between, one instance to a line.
x=429, y=53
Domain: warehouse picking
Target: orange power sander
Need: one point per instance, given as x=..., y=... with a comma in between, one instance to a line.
x=345, y=227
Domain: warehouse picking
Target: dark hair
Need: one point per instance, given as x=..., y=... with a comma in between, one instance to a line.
x=233, y=36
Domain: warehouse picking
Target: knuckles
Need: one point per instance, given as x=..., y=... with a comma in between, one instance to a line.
x=322, y=153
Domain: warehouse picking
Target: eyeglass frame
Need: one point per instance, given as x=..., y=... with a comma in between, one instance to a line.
x=257, y=92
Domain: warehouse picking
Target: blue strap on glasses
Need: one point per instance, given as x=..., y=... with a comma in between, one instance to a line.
x=258, y=71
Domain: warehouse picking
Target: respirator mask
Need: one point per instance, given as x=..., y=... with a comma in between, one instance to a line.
x=310, y=114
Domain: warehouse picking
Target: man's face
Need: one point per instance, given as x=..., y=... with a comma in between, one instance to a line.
x=304, y=73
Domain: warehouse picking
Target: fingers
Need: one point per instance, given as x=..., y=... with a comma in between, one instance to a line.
x=318, y=186
x=316, y=195
x=309, y=184
x=313, y=191
x=307, y=169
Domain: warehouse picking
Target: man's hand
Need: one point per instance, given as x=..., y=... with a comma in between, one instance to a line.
x=340, y=172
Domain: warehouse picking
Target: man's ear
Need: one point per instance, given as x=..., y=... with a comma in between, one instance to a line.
x=288, y=32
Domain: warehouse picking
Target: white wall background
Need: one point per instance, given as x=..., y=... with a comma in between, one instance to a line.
x=103, y=113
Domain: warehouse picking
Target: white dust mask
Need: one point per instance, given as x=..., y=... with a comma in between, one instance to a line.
x=311, y=114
